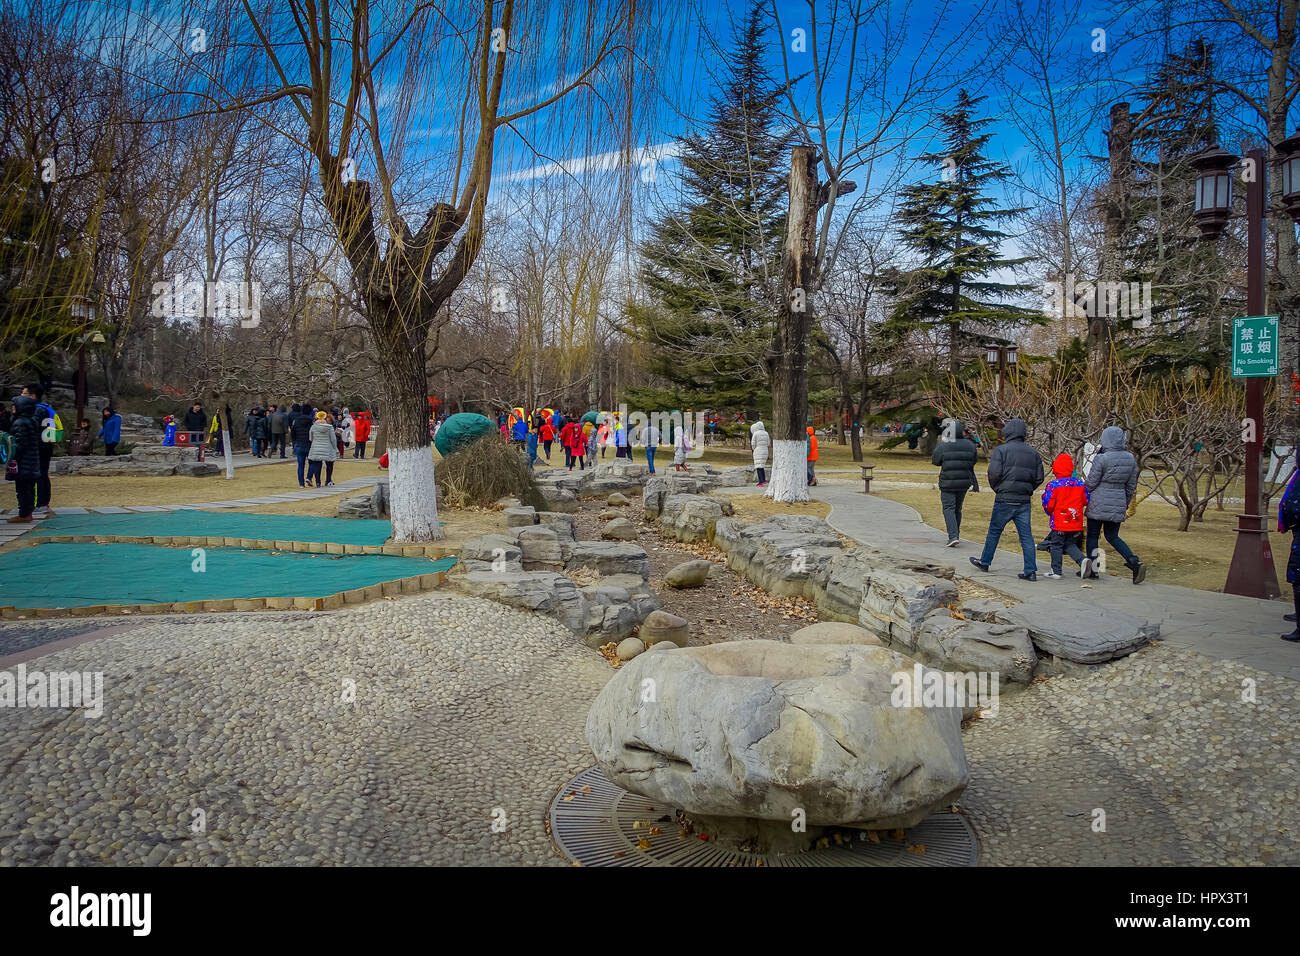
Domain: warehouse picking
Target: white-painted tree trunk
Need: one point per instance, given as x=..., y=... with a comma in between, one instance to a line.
x=413, y=497
x=789, y=479
x=225, y=449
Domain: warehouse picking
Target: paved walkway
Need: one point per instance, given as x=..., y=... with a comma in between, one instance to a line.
x=1222, y=626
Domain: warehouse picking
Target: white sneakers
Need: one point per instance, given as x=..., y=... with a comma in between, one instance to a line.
x=954, y=542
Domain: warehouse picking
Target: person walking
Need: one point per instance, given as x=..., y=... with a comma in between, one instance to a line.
x=680, y=450
x=300, y=437
x=27, y=443
x=956, y=456
x=591, y=447
x=321, y=448
x=570, y=436
x=547, y=435
x=49, y=431
x=1111, y=483
x=620, y=440
x=532, y=448
x=1288, y=519
x=650, y=435
x=603, y=437
x=1015, y=471
x=279, y=429
x=361, y=425
x=1064, y=500
x=110, y=432
x=760, y=441
x=811, y=449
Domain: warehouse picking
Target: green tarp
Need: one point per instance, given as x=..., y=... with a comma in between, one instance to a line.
x=219, y=524
x=461, y=429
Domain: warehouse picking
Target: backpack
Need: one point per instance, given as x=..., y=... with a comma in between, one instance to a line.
x=49, y=420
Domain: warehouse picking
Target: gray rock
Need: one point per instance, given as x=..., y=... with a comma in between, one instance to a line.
x=198, y=469
x=689, y=574
x=358, y=506
x=761, y=729
x=609, y=557
x=542, y=591
x=165, y=454
x=737, y=477
x=379, y=499
x=125, y=467
x=558, y=499
x=833, y=632
x=982, y=609
x=520, y=517
x=616, y=500
x=688, y=517
x=1079, y=632
x=652, y=497
x=540, y=549
x=895, y=604
x=629, y=648
x=619, y=529
x=494, y=548
x=662, y=646
x=609, y=514
x=561, y=524
x=955, y=644
x=662, y=626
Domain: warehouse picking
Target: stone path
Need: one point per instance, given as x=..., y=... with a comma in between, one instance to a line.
x=1222, y=626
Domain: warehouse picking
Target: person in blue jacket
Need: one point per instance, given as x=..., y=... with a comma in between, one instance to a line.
x=111, y=431
x=532, y=448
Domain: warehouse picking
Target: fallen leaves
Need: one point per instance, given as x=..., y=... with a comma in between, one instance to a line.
x=610, y=653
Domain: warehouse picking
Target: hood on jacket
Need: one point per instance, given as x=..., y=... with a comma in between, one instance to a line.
x=26, y=406
x=755, y=428
x=810, y=429
x=1112, y=439
x=1015, y=429
x=954, y=427
x=1063, y=466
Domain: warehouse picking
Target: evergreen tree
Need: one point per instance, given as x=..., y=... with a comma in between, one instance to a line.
x=711, y=267
x=1192, y=299
x=951, y=224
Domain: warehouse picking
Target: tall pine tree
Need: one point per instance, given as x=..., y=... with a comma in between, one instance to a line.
x=711, y=267
x=951, y=225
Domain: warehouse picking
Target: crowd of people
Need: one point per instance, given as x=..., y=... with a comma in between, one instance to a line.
x=584, y=439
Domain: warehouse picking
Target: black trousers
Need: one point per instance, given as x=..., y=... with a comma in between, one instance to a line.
x=110, y=448
x=43, y=483
x=26, y=488
x=360, y=451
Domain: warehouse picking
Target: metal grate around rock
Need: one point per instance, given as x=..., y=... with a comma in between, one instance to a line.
x=592, y=823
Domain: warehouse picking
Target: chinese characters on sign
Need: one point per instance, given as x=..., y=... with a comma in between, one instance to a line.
x=1254, y=346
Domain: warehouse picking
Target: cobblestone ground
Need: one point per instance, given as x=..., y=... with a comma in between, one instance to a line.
x=463, y=707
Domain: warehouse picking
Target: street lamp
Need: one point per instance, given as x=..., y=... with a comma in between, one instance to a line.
x=1252, y=572
x=1001, y=356
x=83, y=310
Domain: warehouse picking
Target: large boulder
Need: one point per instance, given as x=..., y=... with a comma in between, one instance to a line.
x=126, y=468
x=833, y=632
x=542, y=591
x=965, y=645
x=609, y=557
x=737, y=477
x=558, y=499
x=761, y=729
x=689, y=518
x=540, y=547
x=786, y=555
x=73, y=464
x=561, y=524
x=494, y=553
x=520, y=517
x=165, y=454
x=1079, y=632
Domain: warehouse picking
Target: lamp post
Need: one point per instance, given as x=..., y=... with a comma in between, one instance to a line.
x=83, y=310
x=1252, y=572
x=1000, y=356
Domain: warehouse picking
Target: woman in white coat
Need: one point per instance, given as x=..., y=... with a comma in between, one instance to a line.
x=760, y=441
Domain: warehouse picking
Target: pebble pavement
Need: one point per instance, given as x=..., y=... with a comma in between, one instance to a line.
x=463, y=707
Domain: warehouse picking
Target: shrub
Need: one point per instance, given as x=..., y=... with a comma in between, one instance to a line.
x=480, y=473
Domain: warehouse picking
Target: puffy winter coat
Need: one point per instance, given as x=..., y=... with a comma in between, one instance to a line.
x=322, y=447
x=1015, y=469
x=956, y=460
x=278, y=425
x=300, y=430
x=1112, y=479
x=1065, y=496
x=27, y=438
x=361, y=426
x=811, y=444
x=111, y=430
x=760, y=441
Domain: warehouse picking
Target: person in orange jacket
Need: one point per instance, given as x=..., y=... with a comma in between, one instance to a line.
x=812, y=456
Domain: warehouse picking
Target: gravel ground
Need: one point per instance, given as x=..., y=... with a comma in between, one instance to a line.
x=463, y=706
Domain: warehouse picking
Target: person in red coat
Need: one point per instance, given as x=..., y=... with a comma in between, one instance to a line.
x=547, y=435
x=575, y=445
x=361, y=426
x=1064, y=500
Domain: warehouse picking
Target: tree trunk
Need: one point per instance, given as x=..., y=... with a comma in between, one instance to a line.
x=413, y=502
x=788, y=366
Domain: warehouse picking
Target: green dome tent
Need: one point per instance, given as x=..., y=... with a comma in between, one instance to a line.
x=461, y=429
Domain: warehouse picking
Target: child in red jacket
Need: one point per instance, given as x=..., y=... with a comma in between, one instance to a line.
x=1064, y=500
x=547, y=435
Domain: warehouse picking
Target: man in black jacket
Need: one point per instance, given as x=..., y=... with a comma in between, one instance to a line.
x=1015, y=471
x=196, y=421
x=300, y=438
x=955, y=455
